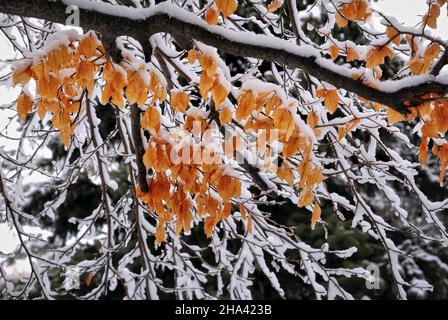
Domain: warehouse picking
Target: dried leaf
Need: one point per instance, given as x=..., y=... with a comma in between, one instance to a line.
x=227, y=7
x=315, y=216
x=394, y=116
x=180, y=101
x=211, y=15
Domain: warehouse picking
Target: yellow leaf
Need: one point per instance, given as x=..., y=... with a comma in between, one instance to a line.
x=180, y=101
x=315, y=216
x=211, y=15
x=226, y=7
x=393, y=116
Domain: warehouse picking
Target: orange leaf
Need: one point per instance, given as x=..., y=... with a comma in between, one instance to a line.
x=274, y=5
x=312, y=120
x=160, y=234
x=151, y=119
x=90, y=278
x=180, y=101
x=246, y=104
x=340, y=20
x=219, y=93
x=376, y=56
x=211, y=15
x=226, y=7
x=193, y=54
x=243, y=212
x=306, y=197
x=393, y=116
x=431, y=18
x=285, y=173
x=419, y=66
x=225, y=116
x=393, y=35
x=205, y=85
x=21, y=76
x=136, y=91
x=334, y=52
x=208, y=64
x=431, y=53
x=24, y=105
x=352, y=54
x=424, y=152
x=315, y=216
x=332, y=101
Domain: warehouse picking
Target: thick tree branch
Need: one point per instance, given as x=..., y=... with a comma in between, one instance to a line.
x=166, y=17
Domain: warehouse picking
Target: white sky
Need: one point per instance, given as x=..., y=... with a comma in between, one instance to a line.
x=410, y=13
x=406, y=11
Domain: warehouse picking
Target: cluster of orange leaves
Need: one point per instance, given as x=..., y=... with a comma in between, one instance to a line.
x=170, y=196
x=266, y=113
x=65, y=73
x=190, y=179
x=58, y=92
x=434, y=114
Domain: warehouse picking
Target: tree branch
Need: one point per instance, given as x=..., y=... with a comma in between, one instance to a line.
x=139, y=148
x=166, y=17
